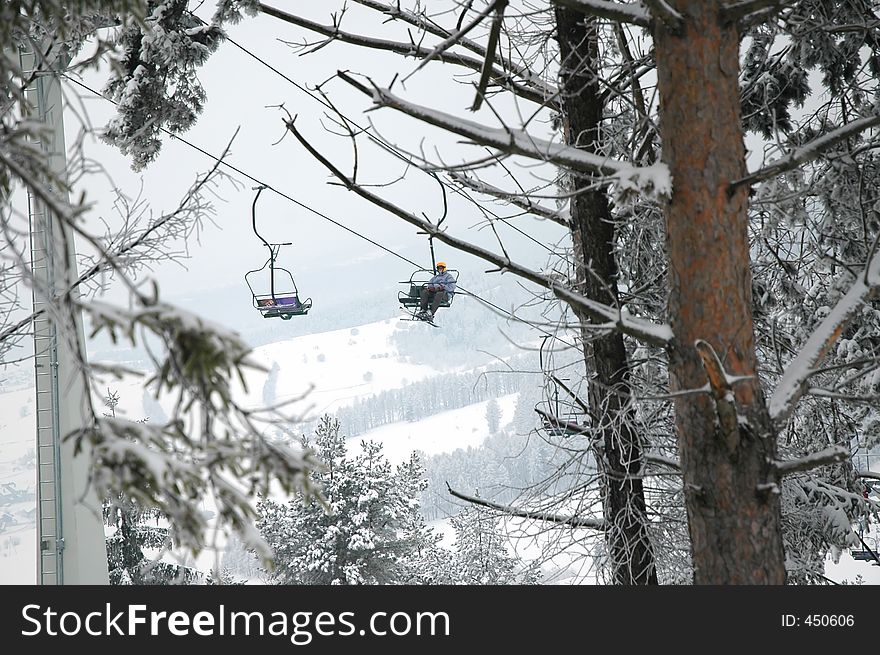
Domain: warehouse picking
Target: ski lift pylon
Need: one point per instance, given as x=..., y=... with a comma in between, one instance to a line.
x=282, y=300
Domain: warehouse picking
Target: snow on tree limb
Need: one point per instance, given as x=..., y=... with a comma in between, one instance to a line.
x=610, y=318
x=518, y=200
x=596, y=524
x=792, y=385
x=520, y=68
x=652, y=181
x=625, y=12
x=531, y=89
x=747, y=8
x=453, y=38
x=828, y=455
x=666, y=13
x=808, y=151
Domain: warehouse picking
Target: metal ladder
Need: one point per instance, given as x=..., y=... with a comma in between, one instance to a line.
x=50, y=539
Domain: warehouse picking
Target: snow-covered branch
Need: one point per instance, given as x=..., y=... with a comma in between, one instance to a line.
x=829, y=455
x=745, y=9
x=529, y=90
x=661, y=460
x=624, y=12
x=609, y=318
x=595, y=524
x=517, y=67
x=654, y=180
x=556, y=422
x=665, y=12
x=523, y=201
x=808, y=151
x=793, y=383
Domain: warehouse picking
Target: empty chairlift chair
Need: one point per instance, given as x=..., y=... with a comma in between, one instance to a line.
x=274, y=291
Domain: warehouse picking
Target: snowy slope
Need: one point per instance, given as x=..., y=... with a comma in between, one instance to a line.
x=336, y=368
x=339, y=367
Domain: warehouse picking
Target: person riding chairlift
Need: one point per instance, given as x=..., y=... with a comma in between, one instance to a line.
x=436, y=291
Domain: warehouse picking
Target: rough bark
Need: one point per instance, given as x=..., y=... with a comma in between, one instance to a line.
x=593, y=237
x=731, y=497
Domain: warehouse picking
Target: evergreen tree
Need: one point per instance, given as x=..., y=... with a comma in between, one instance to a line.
x=270, y=386
x=493, y=416
x=367, y=529
x=481, y=556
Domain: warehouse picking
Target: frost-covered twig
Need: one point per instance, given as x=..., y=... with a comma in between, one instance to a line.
x=610, y=318
x=521, y=201
x=652, y=181
x=596, y=524
x=807, y=152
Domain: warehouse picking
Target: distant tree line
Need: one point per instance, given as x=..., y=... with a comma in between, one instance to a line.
x=418, y=400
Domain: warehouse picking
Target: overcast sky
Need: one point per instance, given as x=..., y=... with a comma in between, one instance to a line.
x=240, y=94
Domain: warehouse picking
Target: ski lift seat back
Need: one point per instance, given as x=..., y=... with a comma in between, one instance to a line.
x=282, y=307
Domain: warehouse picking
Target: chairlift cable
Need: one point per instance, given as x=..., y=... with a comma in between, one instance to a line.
x=317, y=212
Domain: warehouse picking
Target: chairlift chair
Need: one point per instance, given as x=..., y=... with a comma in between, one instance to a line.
x=411, y=297
x=560, y=417
x=282, y=300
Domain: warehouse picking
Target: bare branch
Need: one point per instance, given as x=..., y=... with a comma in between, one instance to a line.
x=649, y=180
x=453, y=38
x=396, y=12
x=610, y=318
x=526, y=90
x=494, y=35
x=595, y=524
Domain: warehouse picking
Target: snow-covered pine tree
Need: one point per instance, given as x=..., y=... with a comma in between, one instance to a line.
x=367, y=531
x=480, y=555
x=493, y=416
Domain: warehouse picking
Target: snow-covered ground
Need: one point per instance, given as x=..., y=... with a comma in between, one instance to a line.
x=339, y=367
x=441, y=433
x=335, y=368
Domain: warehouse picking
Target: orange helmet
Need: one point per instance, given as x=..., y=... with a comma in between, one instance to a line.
x=441, y=264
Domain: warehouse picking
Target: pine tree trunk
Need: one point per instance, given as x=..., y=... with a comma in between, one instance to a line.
x=732, y=502
x=593, y=236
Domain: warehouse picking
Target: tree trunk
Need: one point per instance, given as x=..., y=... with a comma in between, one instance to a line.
x=726, y=449
x=593, y=236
